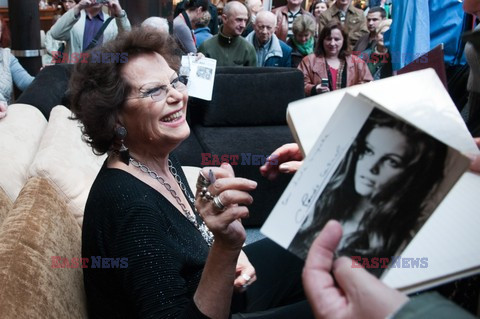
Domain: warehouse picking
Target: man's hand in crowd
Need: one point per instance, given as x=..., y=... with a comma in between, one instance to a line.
x=285, y=159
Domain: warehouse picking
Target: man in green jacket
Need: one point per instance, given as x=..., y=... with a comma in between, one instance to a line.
x=228, y=47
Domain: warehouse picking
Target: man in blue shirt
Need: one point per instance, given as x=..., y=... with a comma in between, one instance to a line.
x=270, y=50
x=79, y=25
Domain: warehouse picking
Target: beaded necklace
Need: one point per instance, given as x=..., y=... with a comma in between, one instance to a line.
x=202, y=227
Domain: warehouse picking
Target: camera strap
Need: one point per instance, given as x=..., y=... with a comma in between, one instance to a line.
x=98, y=35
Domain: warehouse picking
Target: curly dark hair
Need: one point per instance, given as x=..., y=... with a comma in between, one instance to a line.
x=98, y=89
x=326, y=32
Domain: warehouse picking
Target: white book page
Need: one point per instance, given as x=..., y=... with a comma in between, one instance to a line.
x=296, y=203
x=450, y=238
x=201, y=76
x=451, y=235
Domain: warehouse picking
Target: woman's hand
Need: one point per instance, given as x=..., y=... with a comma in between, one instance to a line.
x=3, y=109
x=322, y=89
x=198, y=55
x=475, y=165
x=232, y=193
x=218, y=201
x=336, y=290
x=245, y=273
x=285, y=159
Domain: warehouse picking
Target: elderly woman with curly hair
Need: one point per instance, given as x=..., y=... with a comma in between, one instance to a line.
x=178, y=255
x=332, y=66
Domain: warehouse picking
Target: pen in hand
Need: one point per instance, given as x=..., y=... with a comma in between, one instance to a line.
x=211, y=176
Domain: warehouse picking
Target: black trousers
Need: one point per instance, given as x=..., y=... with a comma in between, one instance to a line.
x=278, y=291
x=473, y=121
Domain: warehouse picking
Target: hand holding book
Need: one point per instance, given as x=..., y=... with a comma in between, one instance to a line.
x=336, y=290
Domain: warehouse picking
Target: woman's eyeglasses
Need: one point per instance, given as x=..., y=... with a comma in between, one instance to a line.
x=158, y=92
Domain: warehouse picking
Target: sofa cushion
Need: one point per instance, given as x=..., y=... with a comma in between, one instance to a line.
x=251, y=146
x=67, y=161
x=20, y=134
x=39, y=227
x=48, y=89
x=249, y=96
x=5, y=205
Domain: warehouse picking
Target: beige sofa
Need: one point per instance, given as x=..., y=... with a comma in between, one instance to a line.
x=44, y=182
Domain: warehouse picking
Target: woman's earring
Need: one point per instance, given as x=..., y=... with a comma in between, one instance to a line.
x=124, y=154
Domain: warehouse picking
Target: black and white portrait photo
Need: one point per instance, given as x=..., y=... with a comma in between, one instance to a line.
x=381, y=190
x=204, y=73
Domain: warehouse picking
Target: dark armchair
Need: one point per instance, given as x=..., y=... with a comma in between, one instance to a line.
x=245, y=122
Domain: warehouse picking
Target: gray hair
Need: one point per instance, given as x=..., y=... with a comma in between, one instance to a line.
x=304, y=23
x=157, y=23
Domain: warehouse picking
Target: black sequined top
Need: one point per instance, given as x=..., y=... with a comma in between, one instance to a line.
x=158, y=255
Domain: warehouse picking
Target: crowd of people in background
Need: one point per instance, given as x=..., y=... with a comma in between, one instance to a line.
x=232, y=35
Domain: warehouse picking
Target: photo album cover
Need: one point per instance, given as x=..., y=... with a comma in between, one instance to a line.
x=379, y=175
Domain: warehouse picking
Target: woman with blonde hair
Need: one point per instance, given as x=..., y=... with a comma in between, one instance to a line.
x=303, y=40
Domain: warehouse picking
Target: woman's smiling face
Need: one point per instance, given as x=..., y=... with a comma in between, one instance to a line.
x=383, y=159
x=150, y=121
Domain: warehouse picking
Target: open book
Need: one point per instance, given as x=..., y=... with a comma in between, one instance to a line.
x=336, y=132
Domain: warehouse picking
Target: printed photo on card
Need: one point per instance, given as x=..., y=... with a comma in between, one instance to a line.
x=201, y=76
x=376, y=174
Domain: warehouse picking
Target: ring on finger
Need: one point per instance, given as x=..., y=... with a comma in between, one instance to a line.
x=218, y=204
x=246, y=277
x=205, y=194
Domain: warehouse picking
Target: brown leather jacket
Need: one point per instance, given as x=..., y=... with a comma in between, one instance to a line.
x=355, y=22
x=282, y=21
x=314, y=69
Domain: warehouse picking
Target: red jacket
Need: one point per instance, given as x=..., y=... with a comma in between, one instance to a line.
x=314, y=69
